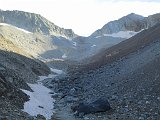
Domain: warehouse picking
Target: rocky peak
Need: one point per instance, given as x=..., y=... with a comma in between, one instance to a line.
x=34, y=23
x=131, y=22
x=133, y=16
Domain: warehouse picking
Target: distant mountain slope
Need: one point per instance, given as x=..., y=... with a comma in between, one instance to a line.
x=124, y=48
x=34, y=23
x=40, y=46
x=113, y=33
x=40, y=38
x=131, y=22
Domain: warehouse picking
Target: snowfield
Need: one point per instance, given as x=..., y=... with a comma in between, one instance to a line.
x=74, y=43
x=56, y=71
x=40, y=101
x=122, y=34
x=93, y=45
x=64, y=56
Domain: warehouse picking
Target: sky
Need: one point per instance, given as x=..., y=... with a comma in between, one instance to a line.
x=83, y=16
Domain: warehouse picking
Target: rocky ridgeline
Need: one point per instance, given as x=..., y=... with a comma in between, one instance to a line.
x=34, y=23
x=131, y=22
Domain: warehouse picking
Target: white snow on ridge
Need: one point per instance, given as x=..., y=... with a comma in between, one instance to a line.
x=40, y=101
x=5, y=24
x=122, y=34
x=23, y=30
x=98, y=36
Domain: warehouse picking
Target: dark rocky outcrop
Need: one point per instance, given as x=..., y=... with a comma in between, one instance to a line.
x=100, y=105
x=13, y=94
x=20, y=69
x=15, y=72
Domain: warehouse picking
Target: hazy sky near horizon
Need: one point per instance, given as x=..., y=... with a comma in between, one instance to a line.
x=83, y=16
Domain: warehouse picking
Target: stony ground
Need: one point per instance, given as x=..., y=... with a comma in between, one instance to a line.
x=15, y=72
x=131, y=85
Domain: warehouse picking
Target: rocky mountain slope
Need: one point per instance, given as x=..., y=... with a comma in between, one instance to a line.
x=112, y=33
x=127, y=74
x=34, y=23
x=38, y=45
x=15, y=72
x=52, y=43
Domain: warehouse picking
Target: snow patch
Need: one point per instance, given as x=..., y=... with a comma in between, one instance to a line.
x=41, y=78
x=40, y=101
x=5, y=24
x=122, y=34
x=98, y=36
x=23, y=30
x=49, y=59
x=93, y=45
x=74, y=43
x=64, y=56
x=56, y=71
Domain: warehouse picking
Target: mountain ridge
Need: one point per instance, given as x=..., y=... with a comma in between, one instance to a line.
x=34, y=23
x=130, y=22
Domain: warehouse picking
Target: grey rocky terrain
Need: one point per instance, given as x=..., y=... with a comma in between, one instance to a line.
x=129, y=80
x=15, y=72
x=111, y=74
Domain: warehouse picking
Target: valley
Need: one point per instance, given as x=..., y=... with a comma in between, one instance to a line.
x=51, y=73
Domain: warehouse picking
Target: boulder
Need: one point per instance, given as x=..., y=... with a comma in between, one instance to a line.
x=99, y=105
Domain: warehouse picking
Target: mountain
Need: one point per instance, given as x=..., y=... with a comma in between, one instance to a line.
x=34, y=23
x=48, y=42
x=131, y=22
x=119, y=62
x=113, y=33
x=127, y=74
x=36, y=36
x=44, y=47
